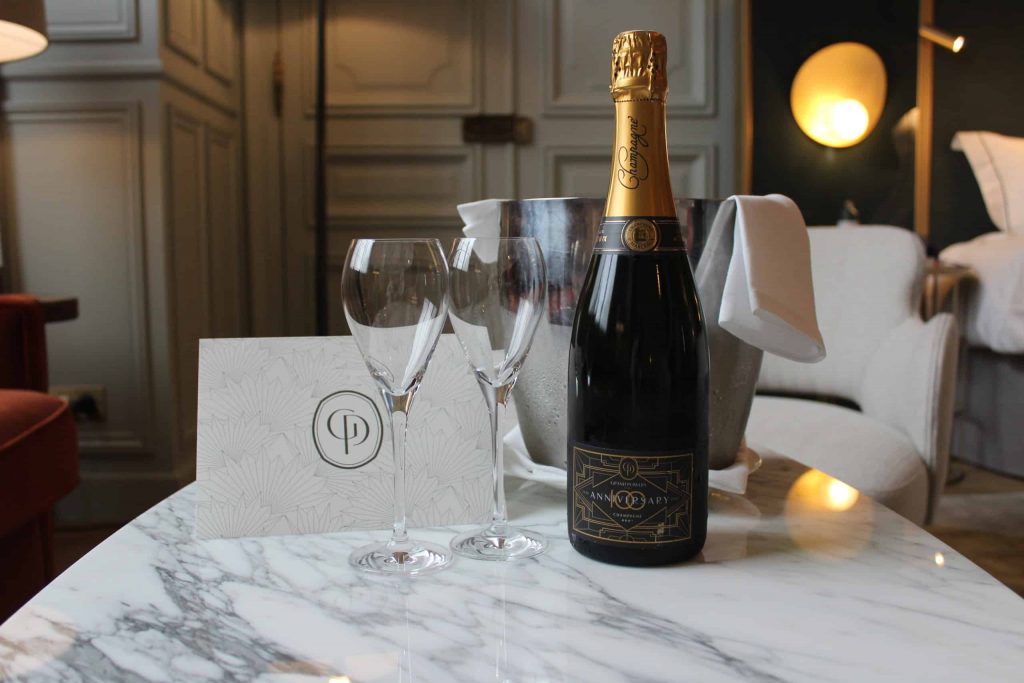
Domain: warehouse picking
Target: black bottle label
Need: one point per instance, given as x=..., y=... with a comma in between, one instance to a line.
x=632, y=498
x=639, y=235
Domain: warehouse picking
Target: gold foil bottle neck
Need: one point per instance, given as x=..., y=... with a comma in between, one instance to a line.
x=638, y=66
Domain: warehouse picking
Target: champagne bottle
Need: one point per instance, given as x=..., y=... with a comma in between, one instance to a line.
x=638, y=360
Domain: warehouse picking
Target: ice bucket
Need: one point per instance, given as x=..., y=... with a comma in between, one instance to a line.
x=566, y=228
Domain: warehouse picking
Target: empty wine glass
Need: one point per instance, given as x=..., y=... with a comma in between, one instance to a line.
x=498, y=288
x=395, y=296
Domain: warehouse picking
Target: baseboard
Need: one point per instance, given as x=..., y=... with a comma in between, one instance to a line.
x=115, y=498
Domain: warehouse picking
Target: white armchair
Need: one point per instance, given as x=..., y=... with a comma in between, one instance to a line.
x=898, y=370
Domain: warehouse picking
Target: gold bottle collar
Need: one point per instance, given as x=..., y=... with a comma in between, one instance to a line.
x=638, y=66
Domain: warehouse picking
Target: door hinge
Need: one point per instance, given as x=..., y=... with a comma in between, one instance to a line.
x=277, y=80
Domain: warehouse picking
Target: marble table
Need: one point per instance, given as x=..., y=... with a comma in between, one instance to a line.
x=802, y=579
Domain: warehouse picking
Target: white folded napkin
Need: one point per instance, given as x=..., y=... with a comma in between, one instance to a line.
x=482, y=219
x=768, y=300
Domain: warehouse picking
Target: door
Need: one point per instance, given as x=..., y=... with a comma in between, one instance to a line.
x=402, y=75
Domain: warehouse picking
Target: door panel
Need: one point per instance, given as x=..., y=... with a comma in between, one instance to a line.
x=400, y=77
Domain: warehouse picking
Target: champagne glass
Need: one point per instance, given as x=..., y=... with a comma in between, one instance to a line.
x=395, y=296
x=498, y=288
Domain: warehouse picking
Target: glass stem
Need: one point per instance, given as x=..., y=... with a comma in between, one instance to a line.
x=497, y=398
x=398, y=416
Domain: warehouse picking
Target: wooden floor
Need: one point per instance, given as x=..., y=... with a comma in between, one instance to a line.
x=981, y=516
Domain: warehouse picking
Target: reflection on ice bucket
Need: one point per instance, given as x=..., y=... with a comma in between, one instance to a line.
x=566, y=229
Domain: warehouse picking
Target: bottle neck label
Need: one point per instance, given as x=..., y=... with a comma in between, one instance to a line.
x=639, y=235
x=639, y=183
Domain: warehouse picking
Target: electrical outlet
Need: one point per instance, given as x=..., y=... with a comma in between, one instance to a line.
x=88, y=401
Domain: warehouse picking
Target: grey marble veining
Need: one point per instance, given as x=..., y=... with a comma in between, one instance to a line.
x=800, y=581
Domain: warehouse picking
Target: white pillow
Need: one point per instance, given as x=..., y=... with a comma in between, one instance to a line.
x=998, y=165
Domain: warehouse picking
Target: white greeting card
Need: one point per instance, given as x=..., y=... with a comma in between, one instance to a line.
x=293, y=438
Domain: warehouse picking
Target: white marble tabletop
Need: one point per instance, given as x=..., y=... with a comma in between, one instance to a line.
x=791, y=587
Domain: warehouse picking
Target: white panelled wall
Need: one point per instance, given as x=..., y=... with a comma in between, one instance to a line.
x=122, y=186
x=124, y=183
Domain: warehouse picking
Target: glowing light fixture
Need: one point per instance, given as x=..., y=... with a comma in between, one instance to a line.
x=841, y=496
x=839, y=93
x=22, y=29
x=942, y=38
x=940, y=559
x=820, y=491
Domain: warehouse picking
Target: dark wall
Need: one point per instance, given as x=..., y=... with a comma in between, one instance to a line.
x=877, y=178
x=981, y=88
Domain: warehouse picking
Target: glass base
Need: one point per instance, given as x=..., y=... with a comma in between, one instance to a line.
x=401, y=559
x=499, y=544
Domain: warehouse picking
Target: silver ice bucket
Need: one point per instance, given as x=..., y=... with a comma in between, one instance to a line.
x=566, y=229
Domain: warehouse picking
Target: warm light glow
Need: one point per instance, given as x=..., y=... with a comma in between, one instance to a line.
x=839, y=123
x=958, y=43
x=841, y=496
x=817, y=489
x=940, y=559
x=339, y=679
x=838, y=94
x=815, y=504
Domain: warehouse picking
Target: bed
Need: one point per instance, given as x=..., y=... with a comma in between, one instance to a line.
x=989, y=428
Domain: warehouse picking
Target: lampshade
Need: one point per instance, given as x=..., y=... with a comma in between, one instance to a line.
x=838, y=94
x=22, y=29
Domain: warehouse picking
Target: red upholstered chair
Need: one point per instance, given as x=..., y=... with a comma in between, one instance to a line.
x=38, y=453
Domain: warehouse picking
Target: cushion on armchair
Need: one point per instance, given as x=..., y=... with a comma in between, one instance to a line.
x=38, y=455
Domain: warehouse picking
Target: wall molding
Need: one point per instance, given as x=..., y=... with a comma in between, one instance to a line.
x=341, y=111
x=228, y=313
x=127, y=114
x=32, y=70
x=188, y=45
x=112, y=70
x=224, y=72
x=346, y=156
x=123, y=27
x=206, y=274
x=112, y=442
x=178, y=119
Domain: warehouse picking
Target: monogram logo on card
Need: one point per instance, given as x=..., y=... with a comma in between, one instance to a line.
x=347, y=429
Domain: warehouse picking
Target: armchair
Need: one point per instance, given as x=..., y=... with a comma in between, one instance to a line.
x=877, y=413
x=38, y=453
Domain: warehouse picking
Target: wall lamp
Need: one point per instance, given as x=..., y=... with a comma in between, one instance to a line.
x=942, y=38
x=838, y=94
